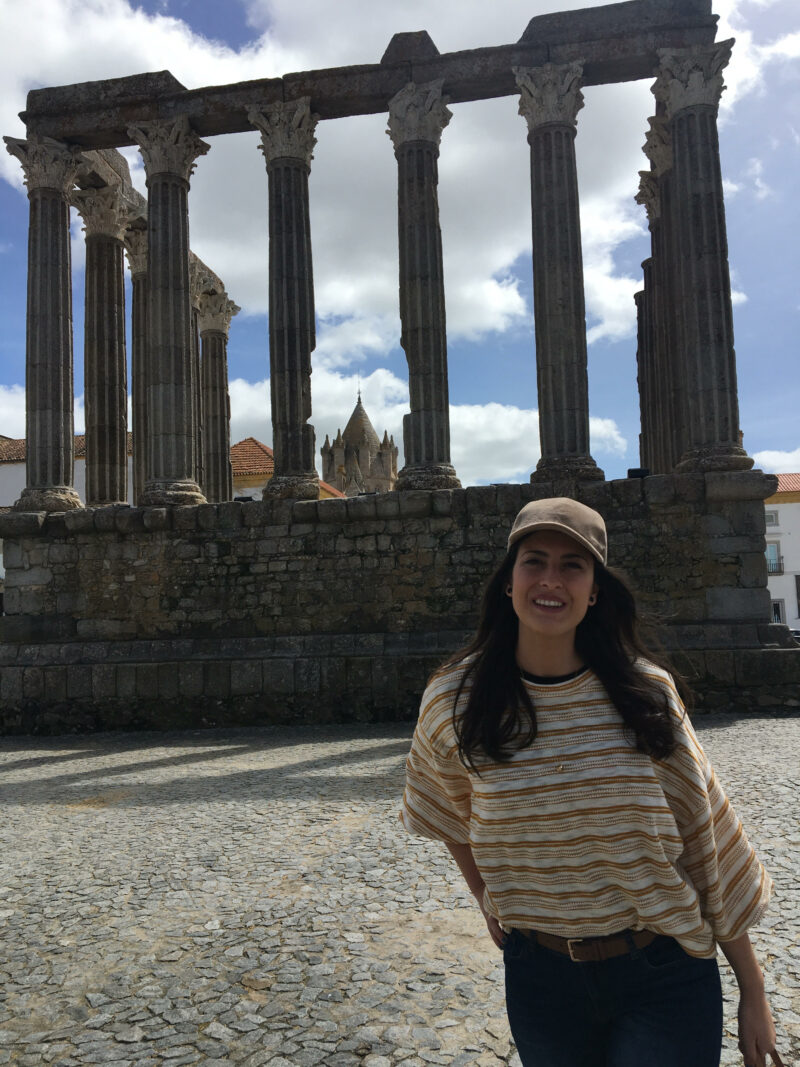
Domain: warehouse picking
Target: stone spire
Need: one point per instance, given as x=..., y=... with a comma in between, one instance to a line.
x=358, y=461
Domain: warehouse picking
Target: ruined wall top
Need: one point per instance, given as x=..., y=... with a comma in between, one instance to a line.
x=615, y=42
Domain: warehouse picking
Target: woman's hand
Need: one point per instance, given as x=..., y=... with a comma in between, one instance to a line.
x=496, y=931
x=756, y=1030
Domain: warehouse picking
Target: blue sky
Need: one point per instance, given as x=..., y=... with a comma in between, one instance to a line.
x=485, y=212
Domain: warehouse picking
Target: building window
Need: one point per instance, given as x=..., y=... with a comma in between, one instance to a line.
x=778, y=611
x=774, y=558
x=771, y=517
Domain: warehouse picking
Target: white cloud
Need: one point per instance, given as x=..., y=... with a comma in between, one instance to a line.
x=738, y=297
x=755, y=171
x=777, y=462
x=12, y=411
x=488, y=442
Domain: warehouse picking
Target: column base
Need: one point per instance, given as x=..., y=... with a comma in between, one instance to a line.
x=567, y=468
x=162, y=493
x=293, y=487
x=430, y=476
x=714, y=458
x=49, y=498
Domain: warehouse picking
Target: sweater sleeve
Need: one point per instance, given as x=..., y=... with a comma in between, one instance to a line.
x=719, y=861
x=436, y=800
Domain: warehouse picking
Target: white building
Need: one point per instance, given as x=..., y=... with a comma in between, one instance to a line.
x=782, y=513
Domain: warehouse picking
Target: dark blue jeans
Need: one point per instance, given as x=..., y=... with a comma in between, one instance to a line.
x=657, y=1007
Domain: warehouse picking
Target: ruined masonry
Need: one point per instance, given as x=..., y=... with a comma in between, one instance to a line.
x=192, y=609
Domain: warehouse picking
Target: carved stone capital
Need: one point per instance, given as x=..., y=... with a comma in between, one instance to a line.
x=136, y=250
x=550, y=93
x=658, y=145
x=287, y=130
x=215, y=312
x=105, y=211
x=691, y=77
x=47, y=163
x=649, y=194
x=418, y=113
x=168, y=146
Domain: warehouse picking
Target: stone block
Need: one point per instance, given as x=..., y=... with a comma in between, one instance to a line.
x=217, y=678
x=304, y=511
x=146, y=681
x=362, y=508
x=626, y=492
x=126, y=681
x=105, y=519
x=13, y=556
x=79, y=681
x=689, y=488
x=414, y=504
x=25, y=577
x=156, y=518
x=740, y=485
x=481, y=500
x=441, y=502
x=32, y=683
x=11, y=686
x=190, y=678
x=55, y=684
x=129, y=520
x=246, y=677
x=63, y=553
x=55, y=524
x=387, y=505
x=207, y=518
x=21, y=523
x=104, y=681
x=278, y=676
x=331, y=510
x=167, y=680
x=659, y=489
x=739, y=604
x=81, y=520
x=184, y=519
x=307, y=675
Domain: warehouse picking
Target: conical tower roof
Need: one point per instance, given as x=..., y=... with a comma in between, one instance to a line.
x=360, y=427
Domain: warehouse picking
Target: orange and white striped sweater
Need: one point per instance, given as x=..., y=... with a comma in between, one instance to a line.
x=580, y=834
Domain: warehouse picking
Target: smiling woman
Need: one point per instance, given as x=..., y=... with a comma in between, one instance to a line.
x=554, y=758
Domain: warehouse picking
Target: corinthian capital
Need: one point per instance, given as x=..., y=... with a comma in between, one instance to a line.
x=47, y=163
x=215, y=312
x=691, y=76
x=418, y=113
x=106, y=211
x=649, y=195
x=136, y=250
x=550, y=93
x=658, y=145
x=287, y=130
x=169, y=146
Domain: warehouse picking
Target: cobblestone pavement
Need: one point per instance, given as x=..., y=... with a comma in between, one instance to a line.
x=248, y=897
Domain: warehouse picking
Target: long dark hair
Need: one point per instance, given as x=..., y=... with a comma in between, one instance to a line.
x=499, y=717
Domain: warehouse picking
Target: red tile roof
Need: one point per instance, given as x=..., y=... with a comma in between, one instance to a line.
x=251, y=457
x=331, y=489
x=789, y=483
x=12, y=449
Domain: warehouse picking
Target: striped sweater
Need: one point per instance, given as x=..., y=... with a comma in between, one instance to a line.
x=580, y=834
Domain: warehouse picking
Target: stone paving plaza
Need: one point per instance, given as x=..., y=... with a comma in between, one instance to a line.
x=248, y=897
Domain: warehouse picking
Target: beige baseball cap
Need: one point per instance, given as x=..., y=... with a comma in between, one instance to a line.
x=566, y=516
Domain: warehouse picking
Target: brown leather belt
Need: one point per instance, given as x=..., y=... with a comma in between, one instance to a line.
x=592, y=949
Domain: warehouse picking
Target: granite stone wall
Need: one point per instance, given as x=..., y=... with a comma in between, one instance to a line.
x=281, y=611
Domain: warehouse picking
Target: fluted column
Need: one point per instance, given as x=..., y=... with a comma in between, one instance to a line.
x=645, y=345
x=50, y=169
x=550, y=98
x=214, y=317
x=689, y=86
x=105, y=216
x=417, y=116
x=287, y=141
x=197, y=282
x=169, y=149
x=136, y=249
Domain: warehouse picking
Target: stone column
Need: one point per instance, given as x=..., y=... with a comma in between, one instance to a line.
x=645, y=370
x=197, y=280
x=136, y=248
x=214, y=316
x=105, y=214
x=287, y=141
x=50, y=169
x=689, y=86
x=169, y=148
x=417, y=116
x=668, y=404
x=550, y=98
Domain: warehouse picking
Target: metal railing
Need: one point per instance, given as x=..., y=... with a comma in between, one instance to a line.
x=775, y=565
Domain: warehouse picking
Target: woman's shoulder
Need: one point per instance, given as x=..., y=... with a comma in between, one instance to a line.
x=660, y=676
x=446, y=686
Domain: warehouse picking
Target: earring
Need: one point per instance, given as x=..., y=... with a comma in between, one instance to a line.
x=593, y=598
x=508, y=590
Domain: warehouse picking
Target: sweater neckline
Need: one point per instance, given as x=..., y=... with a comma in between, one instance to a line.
x=538, y=679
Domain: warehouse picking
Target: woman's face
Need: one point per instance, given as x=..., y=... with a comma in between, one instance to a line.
x=552, y=585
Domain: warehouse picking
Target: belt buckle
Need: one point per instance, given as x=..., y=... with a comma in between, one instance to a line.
x=572, y=941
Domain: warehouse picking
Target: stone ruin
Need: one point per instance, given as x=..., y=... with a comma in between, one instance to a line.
x=181, y=610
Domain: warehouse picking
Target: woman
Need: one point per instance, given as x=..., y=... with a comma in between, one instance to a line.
x=554, y=758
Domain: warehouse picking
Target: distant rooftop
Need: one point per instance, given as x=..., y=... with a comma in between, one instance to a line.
x=789, y=483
